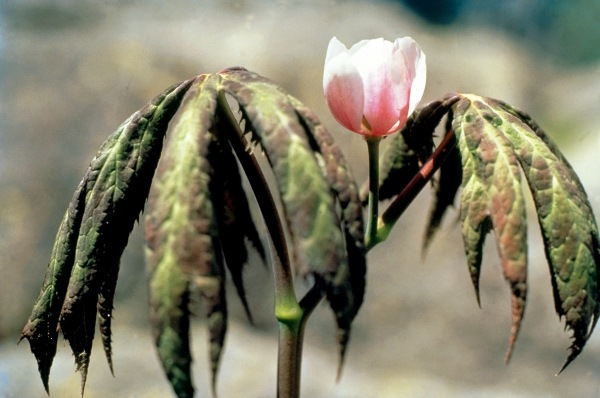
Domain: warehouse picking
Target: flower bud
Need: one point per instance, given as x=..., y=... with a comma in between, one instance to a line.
x=374, y=86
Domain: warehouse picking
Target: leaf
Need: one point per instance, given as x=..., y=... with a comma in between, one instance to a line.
x=42, y=328
x=312, y=176
x=494, y=138
x=308, y=205
x=182, y=240
x=567, y=222
x=347, y=290
x=410, y=148
x=492, y=199
x=94, y=232
x=233, y=216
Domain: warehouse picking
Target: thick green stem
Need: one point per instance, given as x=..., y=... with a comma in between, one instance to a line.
x=292, y=322
x=373, y=210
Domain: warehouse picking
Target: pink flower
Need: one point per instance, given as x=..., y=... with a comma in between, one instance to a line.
x=372, y=88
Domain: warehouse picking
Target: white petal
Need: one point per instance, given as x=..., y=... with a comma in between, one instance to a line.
x=416, y=69
x=343, y=90
x=335, y=47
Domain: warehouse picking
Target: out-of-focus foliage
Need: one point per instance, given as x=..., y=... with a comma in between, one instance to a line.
x=557, y=29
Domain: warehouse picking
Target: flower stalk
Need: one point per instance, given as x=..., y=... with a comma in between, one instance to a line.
x=371, y=238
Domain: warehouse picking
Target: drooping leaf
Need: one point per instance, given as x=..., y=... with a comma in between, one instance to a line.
x=182, y=240
x=308, y=204
x=233, y=217
x=347, y=290
x=94, y=233
x=42, y=328
x=494, y=138
x=312, y=176
x=492, y=199
x=567, y=222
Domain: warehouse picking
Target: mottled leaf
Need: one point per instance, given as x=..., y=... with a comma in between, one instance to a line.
x=181, y=233
x=494, y=138
x=492, y=199
x=568, y=225
x=308, y=204
x=91, y=239
x=312, y=176
x=346, y=291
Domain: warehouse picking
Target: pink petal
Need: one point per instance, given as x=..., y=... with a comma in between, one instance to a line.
x=416, y=69
x=343, y=90
x=373, y=59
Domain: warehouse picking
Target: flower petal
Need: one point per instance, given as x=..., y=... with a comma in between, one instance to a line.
x=373, y=87
x=343, y=89
x=416, y=69
x=335, y=48
x=374, y=61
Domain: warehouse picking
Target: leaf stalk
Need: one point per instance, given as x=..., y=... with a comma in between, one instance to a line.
x=393, y=212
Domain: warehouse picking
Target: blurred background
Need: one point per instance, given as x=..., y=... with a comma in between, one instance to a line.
x=71, y=72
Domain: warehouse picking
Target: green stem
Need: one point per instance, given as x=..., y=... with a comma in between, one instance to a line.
x=292, y=323
x=371, y=238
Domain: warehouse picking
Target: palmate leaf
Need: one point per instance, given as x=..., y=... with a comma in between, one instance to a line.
x=83, y=269
x=567, y=223
x=347, y=288
x=489, y=145
x=492, y=199
x=497, y=143
x=308, y=171
x=182, y=239
x=198, y=213
x=199, y=219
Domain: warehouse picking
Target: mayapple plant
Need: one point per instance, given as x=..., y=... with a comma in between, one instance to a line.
x=192, y=150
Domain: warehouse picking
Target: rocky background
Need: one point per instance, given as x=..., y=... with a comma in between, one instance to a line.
x=71, y=72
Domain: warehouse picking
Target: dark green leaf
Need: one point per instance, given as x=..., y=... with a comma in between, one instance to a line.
x=345, y=293
x=181, y=233
x=306, y=196
x=42, y=328
x=567, y=222
x=91, y=239
x=233, y=216
x=410, y=148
